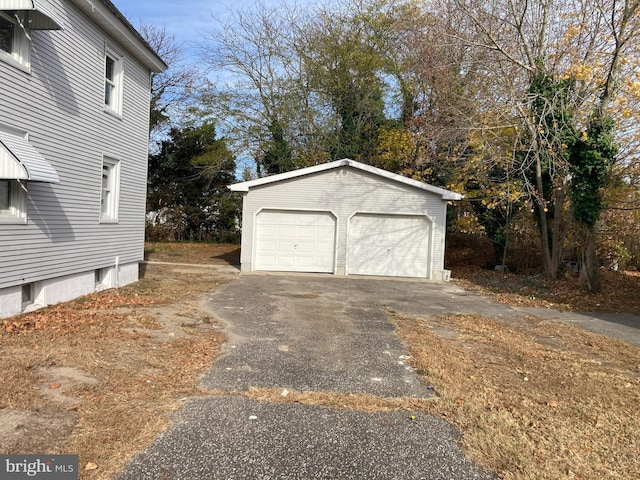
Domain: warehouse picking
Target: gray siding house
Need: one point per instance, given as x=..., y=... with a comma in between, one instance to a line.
x=344, y=218
x=74, y=116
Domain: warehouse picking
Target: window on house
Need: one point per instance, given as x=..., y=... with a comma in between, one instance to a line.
x=110, y=190
x=27, y=295
x=103, y=278
x=6, y=34
x=14, y=39
x=12, y=202
x=113, y=83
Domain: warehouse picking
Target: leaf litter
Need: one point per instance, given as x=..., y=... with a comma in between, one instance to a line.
x=109, y=336
x=534, y=399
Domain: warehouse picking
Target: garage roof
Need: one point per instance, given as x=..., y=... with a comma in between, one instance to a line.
x=245, y=186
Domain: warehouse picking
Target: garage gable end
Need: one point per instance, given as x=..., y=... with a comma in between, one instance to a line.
x=246, y=186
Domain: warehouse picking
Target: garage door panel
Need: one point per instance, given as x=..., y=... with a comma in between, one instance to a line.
x=295, y=241
x=286, y=231
x=269, y=230
x=306, y=233
x=389, y=245
x=325, y=249
x=305, y=263
x=305, y=247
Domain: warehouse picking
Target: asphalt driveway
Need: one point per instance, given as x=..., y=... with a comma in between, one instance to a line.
x=311, y=334
x=322, y=333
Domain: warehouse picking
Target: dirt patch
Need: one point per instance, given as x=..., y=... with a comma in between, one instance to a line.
x=54, y=382
x=26, y=431
x=99, y=376
x=196, y=253
x=535, y=399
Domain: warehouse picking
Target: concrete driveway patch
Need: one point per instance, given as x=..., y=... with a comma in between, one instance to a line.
x=233, y=437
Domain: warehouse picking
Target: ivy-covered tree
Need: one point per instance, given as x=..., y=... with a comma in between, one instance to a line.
x=592, y=157
x=547, y=146
x=345, y=60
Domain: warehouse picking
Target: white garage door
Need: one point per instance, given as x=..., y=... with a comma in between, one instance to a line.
x=389, y=245
x=293, y=241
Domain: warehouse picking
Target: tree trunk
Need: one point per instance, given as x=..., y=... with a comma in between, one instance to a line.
x=590, y=278
x=549, y=270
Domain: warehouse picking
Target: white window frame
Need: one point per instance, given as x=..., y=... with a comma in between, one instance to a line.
x=113, y=86
x=17, y=209
x=109, y=190
x=20, y=55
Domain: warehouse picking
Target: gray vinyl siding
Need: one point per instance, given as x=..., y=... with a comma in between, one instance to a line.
x=345, y=191
x=60, y=103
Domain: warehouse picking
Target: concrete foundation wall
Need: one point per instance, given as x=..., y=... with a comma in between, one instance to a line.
x=62, y=289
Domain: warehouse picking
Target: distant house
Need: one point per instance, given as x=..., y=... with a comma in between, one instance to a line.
x=74, y=117
x=344, y=218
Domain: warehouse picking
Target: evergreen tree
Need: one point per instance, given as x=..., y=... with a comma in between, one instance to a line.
x=187, y=186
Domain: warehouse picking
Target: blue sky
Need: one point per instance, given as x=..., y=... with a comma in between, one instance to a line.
x=187, y=20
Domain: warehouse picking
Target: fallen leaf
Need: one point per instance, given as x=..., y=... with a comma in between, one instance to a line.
x=53, y=386
x=90, y=466
x=552, y=404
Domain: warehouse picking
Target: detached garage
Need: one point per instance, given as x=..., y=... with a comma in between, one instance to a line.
x=344, y=218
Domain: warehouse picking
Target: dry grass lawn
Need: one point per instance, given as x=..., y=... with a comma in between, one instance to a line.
x=534, y=399
x=99, y=376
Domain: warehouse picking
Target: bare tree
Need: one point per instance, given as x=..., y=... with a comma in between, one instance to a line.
x=175, y=88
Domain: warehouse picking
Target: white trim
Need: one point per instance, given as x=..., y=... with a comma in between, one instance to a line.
x=20, y=56
x=109, y=214
x=245, y=186
x=116, y=84
x=17, y=211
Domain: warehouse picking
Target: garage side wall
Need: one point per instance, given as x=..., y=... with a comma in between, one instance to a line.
x=344, y=191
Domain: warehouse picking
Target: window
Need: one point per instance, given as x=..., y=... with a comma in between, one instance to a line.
x=103, y=278
x=14, y=39
x=12, y=202
x=113, y=83
x=6, y=34
x=110, y=190
x=27, y=295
